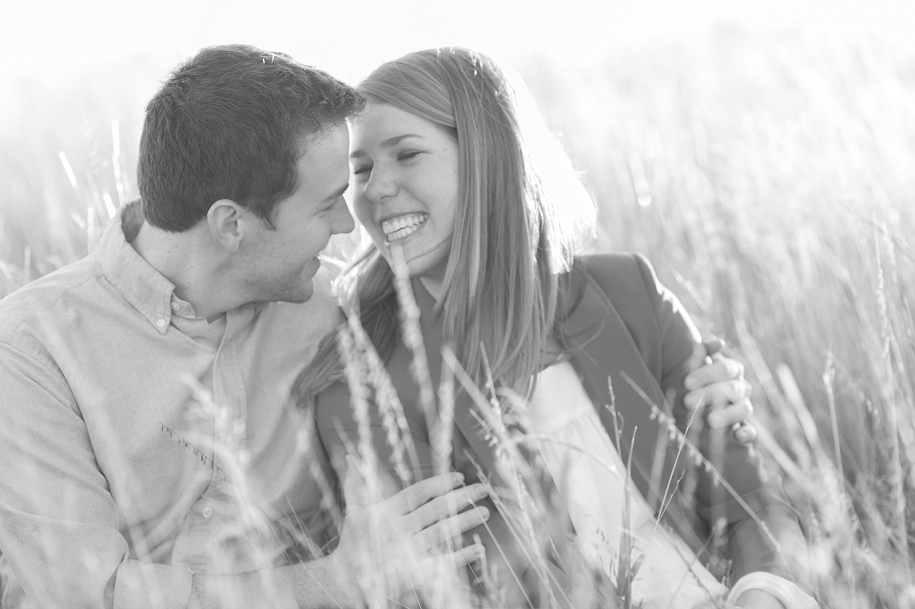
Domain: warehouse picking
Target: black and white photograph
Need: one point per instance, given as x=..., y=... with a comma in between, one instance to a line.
x=487, y=304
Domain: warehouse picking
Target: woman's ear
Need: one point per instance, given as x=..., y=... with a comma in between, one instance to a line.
x=225, y=222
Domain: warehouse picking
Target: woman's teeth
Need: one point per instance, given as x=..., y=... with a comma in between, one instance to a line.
x=403, y=226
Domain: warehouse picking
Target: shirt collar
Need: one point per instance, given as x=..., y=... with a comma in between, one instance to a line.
x=142, y=285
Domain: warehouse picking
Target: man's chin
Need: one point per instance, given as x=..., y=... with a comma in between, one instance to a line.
x=304, y=294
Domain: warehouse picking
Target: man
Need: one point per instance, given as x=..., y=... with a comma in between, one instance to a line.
x=121, y=479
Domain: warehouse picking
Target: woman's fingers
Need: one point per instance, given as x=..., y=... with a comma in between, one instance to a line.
x=720, y=392
x=713, y=344
x=745, y=433
x=704, y=352
x=736, y=412
x=720, y=369
x=720, y=383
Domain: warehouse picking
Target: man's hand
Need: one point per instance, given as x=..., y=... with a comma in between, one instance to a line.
x=717, y=382
x=388, y=547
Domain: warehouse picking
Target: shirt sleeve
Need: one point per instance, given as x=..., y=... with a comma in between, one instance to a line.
x=59, y=525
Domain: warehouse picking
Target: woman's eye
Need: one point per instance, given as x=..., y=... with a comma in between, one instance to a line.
x=360, y=169
x=406, y=156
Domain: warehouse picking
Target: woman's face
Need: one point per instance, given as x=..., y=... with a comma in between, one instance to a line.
x=406, y=187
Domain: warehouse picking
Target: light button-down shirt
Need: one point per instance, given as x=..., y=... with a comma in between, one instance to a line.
x=115, y=465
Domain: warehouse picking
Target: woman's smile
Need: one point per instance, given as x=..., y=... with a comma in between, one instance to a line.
x=401, y=227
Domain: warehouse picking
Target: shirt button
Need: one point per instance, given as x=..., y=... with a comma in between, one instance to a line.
x=160, y=323
x=207, y=512
x=175, y=306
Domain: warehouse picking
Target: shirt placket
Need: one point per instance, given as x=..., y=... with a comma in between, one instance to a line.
x=230, y=397
x=216, y=517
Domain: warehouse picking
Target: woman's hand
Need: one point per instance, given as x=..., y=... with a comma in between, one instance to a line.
x=717, y=382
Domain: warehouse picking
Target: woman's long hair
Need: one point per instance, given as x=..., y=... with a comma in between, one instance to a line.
x=511, y=239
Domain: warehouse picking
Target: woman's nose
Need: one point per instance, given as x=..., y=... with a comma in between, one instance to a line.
x=381, y=185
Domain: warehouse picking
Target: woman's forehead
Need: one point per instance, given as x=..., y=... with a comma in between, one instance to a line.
x=386, y=125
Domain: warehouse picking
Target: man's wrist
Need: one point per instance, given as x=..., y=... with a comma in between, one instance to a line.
x=327, y=577
x=244, y=589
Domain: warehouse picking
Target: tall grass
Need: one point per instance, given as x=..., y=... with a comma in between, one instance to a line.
x=770, y=178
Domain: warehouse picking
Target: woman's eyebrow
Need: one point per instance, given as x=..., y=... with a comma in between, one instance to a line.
x=391, y=141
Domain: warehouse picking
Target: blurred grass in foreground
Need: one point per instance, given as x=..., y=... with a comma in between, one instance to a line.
x=769, y=178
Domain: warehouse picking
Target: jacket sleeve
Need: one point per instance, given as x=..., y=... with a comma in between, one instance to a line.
x=761, y=529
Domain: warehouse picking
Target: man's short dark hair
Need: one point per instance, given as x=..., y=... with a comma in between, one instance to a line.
x=231, y=123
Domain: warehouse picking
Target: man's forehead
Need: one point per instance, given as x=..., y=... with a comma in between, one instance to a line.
x=325, y=146
x=324, y=167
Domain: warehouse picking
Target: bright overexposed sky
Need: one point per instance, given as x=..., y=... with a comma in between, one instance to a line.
x=51, y=37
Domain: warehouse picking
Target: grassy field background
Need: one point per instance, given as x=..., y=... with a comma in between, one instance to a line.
x=770, y=178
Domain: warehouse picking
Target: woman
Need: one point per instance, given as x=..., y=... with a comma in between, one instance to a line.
x=449, y=178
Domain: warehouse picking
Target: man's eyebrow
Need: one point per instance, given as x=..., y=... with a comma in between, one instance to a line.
x=337, y=193
x=391, y=141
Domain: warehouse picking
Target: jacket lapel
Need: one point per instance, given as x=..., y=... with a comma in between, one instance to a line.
x=465, y=418
x=605, y=355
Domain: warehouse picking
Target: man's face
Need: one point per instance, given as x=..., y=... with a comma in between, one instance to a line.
x=280, y=265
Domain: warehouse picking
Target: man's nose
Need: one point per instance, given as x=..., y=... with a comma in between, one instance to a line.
x=343, y=222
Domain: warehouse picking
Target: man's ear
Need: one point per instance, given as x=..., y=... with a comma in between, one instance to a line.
x=225, y=219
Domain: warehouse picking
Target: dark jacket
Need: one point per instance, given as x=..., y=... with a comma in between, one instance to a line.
x=623, y=330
